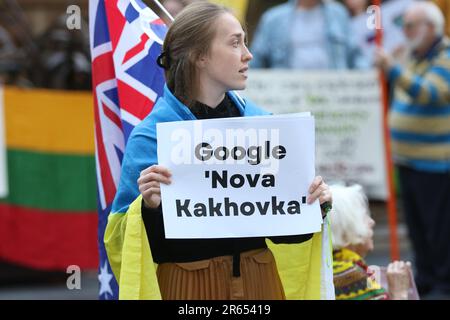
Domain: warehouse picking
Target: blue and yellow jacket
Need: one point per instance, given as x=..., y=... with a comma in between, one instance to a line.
x=420, y=114
x=304, y=268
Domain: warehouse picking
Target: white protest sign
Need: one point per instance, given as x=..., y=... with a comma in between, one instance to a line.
x=348, y=112
x=3, y=165
x=238, y=177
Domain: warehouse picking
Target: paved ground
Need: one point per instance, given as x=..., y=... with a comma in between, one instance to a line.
x=54, y=290
x=37, y=285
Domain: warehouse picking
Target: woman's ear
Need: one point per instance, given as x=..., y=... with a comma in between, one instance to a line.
x=201, y=61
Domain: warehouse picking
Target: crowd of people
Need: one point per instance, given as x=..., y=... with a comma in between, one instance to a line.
x=57, y=59
x=337, y=38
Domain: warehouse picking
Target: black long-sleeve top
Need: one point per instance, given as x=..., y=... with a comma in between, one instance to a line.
x=188, y=250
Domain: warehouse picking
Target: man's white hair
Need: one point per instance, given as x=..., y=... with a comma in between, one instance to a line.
x=349, y=216
x=432, y=13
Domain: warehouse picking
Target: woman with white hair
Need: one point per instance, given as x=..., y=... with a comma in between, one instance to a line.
x=352, y=234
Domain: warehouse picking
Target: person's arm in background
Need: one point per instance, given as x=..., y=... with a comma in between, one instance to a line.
x=433, y=88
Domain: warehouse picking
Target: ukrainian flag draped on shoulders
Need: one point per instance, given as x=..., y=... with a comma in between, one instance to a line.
x=301, y=267
x=305, y=269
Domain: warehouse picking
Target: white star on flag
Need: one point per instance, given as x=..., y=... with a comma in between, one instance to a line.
x=105, y=278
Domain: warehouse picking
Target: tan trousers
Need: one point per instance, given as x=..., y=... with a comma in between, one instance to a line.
x=212, y=279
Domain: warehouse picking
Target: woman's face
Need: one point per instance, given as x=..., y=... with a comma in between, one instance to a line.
x=225, y=66
x=367, y=246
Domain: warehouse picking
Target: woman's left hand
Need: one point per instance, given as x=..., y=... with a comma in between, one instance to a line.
x=319, y=190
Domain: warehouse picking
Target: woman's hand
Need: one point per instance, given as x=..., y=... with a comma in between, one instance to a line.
x=320, y=190
x=398, y=273
x=149, y=184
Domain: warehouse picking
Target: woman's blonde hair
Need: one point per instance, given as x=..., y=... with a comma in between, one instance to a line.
x=349, y=216
x=189, y=38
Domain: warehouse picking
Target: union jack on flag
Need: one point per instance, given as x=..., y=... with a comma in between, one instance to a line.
x=125, y=38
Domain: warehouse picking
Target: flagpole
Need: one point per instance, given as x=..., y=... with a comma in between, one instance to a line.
x=391, y=201
x=164, y=10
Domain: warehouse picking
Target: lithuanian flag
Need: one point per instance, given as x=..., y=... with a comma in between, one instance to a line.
x=49, y=218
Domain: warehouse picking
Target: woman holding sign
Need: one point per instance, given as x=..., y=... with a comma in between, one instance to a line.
x=205, y=57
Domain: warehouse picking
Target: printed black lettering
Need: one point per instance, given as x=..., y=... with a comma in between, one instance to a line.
x=237, y=181
x=294, y=207
x=222, y=179
x=184, y=207
x=268, y=180
x=214, y=209
x=277, y=207
x=263, y=207
x=200, y=210
x=279, y=152
x=232, y=205
x=250, y=210
x=255, y=154
x=203, y=151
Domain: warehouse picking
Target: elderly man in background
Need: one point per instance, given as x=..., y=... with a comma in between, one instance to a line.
x=420, y=131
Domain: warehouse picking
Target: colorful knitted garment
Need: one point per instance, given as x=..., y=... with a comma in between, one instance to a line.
x=352, y=279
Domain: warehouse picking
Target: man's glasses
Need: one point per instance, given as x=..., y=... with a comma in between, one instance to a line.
x=413, y=24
